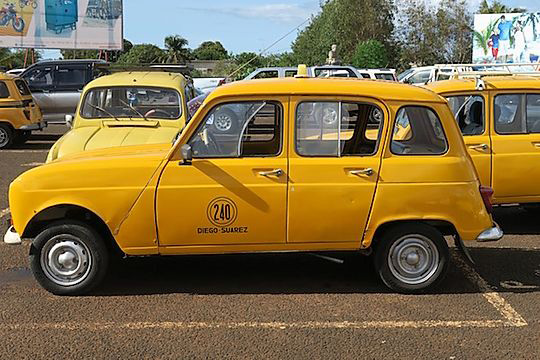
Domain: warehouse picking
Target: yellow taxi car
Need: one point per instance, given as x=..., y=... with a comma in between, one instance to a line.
x=19, y=114
x=285, y=181
x=499, y=117
x=127, y=108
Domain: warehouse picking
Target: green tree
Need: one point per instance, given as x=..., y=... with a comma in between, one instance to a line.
x=497, y=7
x=111, y=55
x=370, y=54
x=14, y=59
x=345, y=23
x=142, y=54
x=211, y=50
x=176, y=50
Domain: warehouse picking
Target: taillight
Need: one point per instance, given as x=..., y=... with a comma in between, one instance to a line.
x=487, y=194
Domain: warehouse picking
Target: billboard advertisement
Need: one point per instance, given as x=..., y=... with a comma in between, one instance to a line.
x=61, y=24
x=512, y=38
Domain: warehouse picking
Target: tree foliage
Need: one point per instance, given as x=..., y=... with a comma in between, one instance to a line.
x=176, y=50
x=211, y=50
x=370, y=54
x=111, y=56
x=142, y=54
x=497, y=7
x=14, y=59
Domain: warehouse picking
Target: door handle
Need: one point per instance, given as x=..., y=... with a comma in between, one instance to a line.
x=362, y=172
x=478, y=147
x=536, y=145
x=276, y=172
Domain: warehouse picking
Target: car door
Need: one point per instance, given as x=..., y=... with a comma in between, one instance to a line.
x=234, y=192
x=69, y=81
x=470, y=111
x=40, y=79
x=516, y=146
x=333, y=167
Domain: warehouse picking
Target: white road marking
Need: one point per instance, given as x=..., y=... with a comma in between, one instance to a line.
x=4, y=213
x=516, y=285
x=32, y=164
x=24, y=151
x=511, y=316
x=315, y=325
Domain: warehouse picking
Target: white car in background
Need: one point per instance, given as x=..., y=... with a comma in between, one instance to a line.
x=206, y=85
x=324, y=71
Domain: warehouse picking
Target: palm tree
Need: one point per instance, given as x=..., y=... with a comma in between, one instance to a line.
x=533, y=19
x=176, y=50
x=482, y=37
x=497, y=8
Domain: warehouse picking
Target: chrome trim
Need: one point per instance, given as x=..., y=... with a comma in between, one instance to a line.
x=12, y=237
x=492, y=234
x=36, y=126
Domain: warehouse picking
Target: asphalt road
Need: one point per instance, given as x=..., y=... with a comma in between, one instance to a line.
x=274, y=306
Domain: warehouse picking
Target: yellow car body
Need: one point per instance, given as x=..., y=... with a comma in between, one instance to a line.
x=19, y=114
x=153, y=199
x=129, y=127
x=506, y=151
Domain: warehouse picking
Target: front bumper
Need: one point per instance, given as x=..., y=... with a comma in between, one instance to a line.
x=36, y=126
x=12, y=237
x=492, y=234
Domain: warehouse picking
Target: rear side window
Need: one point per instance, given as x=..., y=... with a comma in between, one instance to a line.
x=266, y=75
x=418, y=131
x=336, y=129
x=71, y=77
x=23, y=88
x=4, y=92
x=290, y=73
x=517, y=114
x=383, y=76
x=468, y=111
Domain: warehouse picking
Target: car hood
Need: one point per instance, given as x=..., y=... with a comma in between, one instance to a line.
x=95, y=137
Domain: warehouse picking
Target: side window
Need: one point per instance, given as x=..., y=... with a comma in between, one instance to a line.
x=40, y=78
x=469, y=113
x=4, y=92
x=255, y=131
x=420, y=77
x=533, y=113
x=509, y=114
x=266, y=74
x=290, y=73
x=365, y=75
x=418, y=131
x=71, y=77
x=337, y=129
x=23, y=88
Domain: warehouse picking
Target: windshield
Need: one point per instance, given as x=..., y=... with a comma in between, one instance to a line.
x=132, y=102
x=404, y=74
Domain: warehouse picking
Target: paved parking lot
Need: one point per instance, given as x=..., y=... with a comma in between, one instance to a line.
x=274, y=306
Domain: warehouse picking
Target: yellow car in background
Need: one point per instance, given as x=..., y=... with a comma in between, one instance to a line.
x=285, y=180
x=127, y=108
x=499, y=117
x=19, y=114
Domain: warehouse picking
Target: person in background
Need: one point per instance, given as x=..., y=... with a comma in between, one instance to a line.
x=493, y=42
x=505, y=27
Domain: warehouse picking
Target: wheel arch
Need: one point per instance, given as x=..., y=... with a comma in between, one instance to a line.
x=69, y=212
x=445, y=227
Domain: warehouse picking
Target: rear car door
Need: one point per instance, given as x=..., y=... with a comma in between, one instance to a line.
x=335, y=147
x=470, y=111
x=69, y=82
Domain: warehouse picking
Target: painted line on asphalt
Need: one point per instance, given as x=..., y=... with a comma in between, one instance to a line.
x=34, y=164
x=510, y=315
x=24, y=151
x=313, y=325
x=4, y=213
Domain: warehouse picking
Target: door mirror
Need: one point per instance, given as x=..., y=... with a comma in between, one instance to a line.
x=187, y=154
x=69, y=121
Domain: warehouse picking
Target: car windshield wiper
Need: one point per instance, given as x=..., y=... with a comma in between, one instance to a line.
x=103, y=110
x=134, y=110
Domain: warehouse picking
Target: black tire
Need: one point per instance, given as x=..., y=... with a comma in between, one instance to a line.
x=21, y=137
x=431, y=248
x=7, y=136
x=74, y=234
x=231, y=117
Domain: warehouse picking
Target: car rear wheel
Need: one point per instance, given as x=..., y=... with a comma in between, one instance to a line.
x=412, y=258
x=68, y=258
x=7, y=136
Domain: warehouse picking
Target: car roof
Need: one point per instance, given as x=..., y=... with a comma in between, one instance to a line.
x=510, y=82
x=72, y=61
x=5, y=76
x=386, y=90
x=140, y=78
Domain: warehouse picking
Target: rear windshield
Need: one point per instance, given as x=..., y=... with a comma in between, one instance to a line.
x=23, y=87
x=132, y=102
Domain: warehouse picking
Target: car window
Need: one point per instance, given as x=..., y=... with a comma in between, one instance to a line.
x=383, y=76
x=4, y=92
x=418, y=131
x=132, y=102
x=404, y=74
x=365, y=75
x=468, y=111
x=256, y=131
x=71, y=77
x=533, y=113
x=420, y=77
x=290, y=73
x=22, y=87
x=266, y=74
x=337, y=129
x=333, y=72
x=40, y=78
x=509, y=114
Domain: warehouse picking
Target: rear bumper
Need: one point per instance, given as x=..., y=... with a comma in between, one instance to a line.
x=12, y=237
x=37, y=126
x=494, y=233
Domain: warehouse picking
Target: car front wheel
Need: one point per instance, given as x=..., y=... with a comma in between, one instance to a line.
x=412, y=258
x=68, y=258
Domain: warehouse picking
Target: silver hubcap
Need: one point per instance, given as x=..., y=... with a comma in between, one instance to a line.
x=413, y=259
x=4, y=137
x=66, y=260
x=223, y=123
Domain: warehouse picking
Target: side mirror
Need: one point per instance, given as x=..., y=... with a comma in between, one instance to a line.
x=187, y=154
x=69, y=121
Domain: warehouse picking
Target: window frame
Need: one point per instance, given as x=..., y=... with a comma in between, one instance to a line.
x=281, y=119
x=523, y=103
x=484, y=112
x=340, y=103
x=391, y=140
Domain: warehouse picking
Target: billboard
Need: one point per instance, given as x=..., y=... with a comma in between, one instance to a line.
x=512, y=38
x=62, y=24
